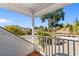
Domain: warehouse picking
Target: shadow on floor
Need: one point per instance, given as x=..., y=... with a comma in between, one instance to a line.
x=35, y=53
x=60, y=54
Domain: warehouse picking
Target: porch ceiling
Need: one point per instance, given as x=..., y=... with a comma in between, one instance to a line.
x=36, y=9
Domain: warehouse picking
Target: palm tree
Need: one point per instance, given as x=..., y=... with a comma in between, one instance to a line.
x=71, y=28
x=66, y=25
x=76, y=24
x=53, y=17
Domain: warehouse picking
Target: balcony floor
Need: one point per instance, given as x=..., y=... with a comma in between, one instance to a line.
x=34, y=53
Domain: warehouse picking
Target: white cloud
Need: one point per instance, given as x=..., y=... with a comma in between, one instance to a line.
x=4, y=21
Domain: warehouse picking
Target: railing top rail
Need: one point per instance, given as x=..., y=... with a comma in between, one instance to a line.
x=67, y=34
x=54, y=38
x=67, y=39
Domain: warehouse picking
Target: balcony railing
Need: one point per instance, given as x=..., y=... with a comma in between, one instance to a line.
x=56, y=46
x=61, y=46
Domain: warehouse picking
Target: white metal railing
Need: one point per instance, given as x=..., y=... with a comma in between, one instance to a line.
x=56, y=46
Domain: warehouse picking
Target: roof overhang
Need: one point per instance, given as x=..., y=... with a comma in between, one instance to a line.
x=35, y=9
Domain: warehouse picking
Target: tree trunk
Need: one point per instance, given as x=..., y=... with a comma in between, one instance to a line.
x=48, y=24
x=54, y=28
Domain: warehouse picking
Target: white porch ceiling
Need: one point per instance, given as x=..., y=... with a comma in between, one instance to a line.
x=36, y=9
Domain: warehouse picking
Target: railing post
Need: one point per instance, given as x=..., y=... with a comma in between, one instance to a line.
x=52, y=48
x=73, y=48
x=39, y=40
x=49, y=45
x=68, y=47
x=59, y=46
x=46, y=46
x=43, y=38
x=63, y=47
x=55, y=45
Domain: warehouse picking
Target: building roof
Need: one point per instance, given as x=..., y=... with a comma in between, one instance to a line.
x=63, y=31
x=36, y=9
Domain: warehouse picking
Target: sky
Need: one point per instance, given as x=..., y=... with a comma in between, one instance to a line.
x=8, y=17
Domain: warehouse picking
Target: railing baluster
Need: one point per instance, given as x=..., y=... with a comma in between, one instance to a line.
x=63, y=46
x=55, y=46
x=52, y=48
x=73, y=48
x=39, y=40
x=49, y=45
x=35, y=40
x=59, y=46
x=68, y=47
x=46, y=46
x=43, y=43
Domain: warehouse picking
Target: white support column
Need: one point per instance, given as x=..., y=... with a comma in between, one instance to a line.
x=33, y=30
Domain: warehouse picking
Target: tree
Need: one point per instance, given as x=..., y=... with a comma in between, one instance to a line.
x=41, y=27
x=15, y=29
x=76, y=25
x=53, y=17
x=71, y=28
x=67, y=25
x=29, y=32
x=36, y=27
x=46, y=29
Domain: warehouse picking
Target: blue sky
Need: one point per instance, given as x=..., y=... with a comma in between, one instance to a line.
x=8, y=17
